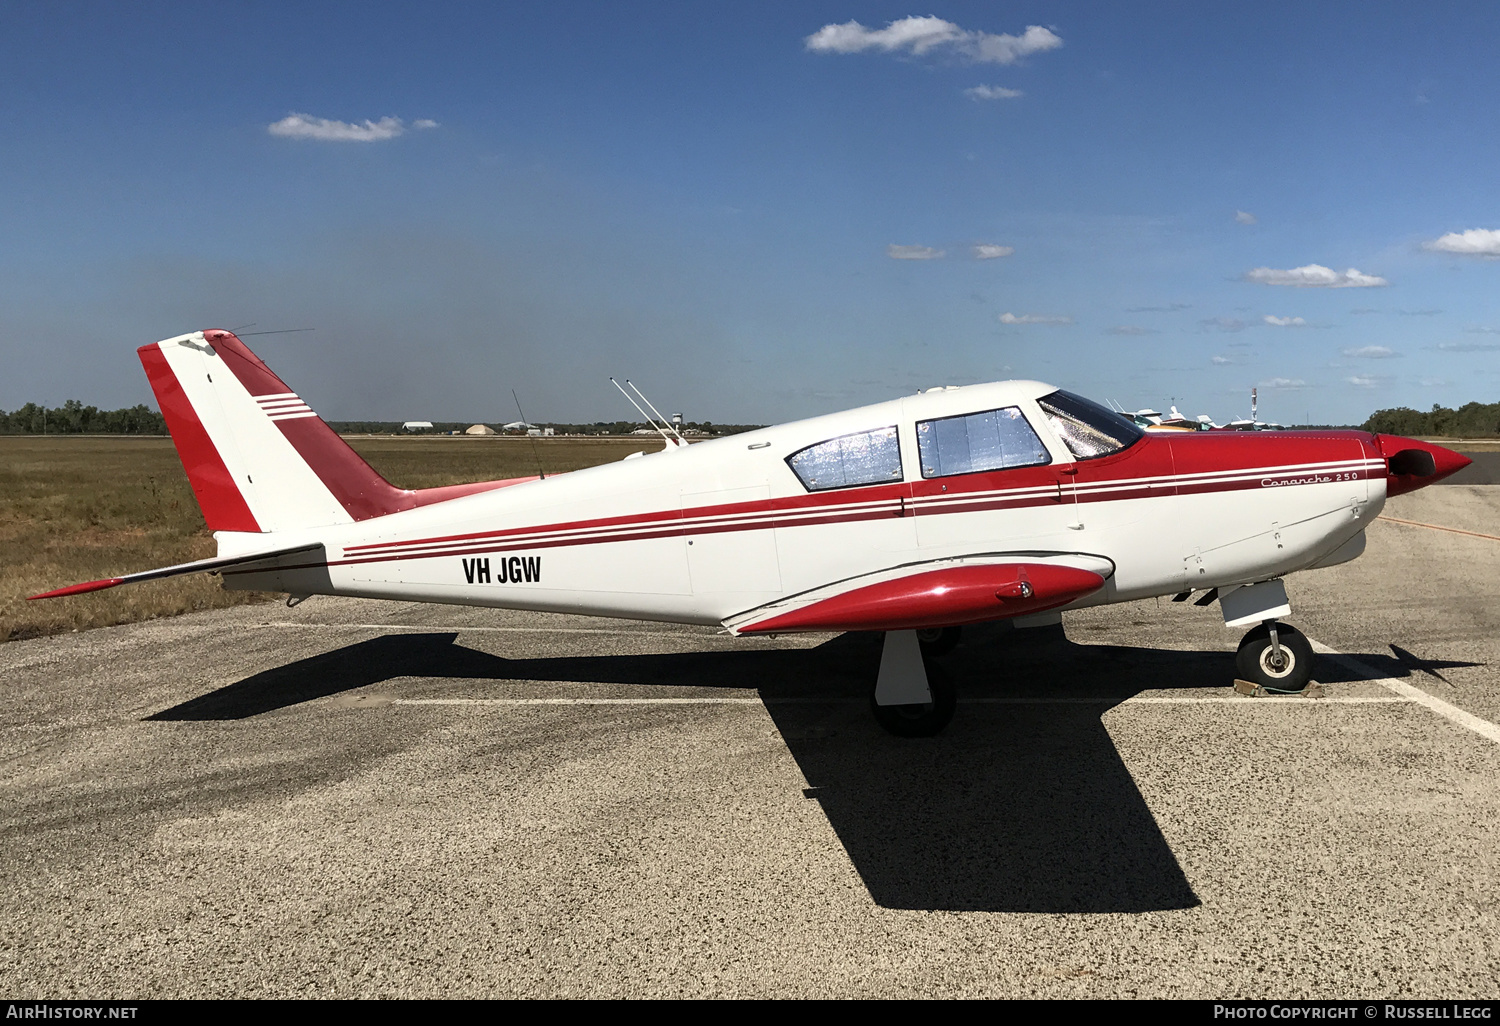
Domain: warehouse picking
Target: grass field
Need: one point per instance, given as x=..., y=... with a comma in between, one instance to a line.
x=79, y=508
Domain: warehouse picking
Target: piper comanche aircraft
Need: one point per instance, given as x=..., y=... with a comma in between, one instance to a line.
x=914, y=517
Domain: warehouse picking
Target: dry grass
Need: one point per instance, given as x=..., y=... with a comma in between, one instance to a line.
x=80, y=508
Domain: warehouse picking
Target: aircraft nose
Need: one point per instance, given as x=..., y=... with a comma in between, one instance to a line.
x=1413, y=464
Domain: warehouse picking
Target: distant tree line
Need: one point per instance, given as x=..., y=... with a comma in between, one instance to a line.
x=74, y=418
x=1472, y=420
x=613, y=427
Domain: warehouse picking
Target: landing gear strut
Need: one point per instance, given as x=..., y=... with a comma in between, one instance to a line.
x=910, y=698
x=938, y=641
x=1277, y=657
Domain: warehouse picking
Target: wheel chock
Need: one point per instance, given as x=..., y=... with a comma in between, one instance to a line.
x=1250, y=689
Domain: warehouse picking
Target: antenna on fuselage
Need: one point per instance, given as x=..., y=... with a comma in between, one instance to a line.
x=649, y=419
x=540, y=473
x=664, y=420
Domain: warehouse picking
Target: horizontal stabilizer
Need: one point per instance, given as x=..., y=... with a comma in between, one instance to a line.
x=272, y=559
x=943, y=593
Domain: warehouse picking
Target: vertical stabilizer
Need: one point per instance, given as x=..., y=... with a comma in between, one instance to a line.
x=257, y=456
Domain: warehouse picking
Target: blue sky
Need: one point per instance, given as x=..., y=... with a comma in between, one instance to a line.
x=757, y=212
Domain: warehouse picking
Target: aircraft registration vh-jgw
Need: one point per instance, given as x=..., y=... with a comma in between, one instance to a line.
x=914, y=517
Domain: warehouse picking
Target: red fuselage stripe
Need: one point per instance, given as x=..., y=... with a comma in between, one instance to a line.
x=676, y=523
x=785, y=513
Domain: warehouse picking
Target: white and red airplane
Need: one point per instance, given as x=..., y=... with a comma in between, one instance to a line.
x=914, y=517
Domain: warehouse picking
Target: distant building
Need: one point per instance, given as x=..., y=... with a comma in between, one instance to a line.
x=518, y=426
x=480, y=429
x=417, y=425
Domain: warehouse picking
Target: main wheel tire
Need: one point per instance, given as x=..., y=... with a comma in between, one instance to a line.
x=1256, y=661
x=921, y=720
x=936, y=641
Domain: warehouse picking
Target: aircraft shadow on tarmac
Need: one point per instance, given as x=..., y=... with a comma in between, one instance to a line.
x=1015, y=807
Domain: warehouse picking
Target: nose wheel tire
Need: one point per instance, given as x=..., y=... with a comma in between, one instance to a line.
x=921, y=720
x=936, y=641
x=1287, y=671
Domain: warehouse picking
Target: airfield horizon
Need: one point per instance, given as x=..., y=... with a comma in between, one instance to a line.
x=83, y=507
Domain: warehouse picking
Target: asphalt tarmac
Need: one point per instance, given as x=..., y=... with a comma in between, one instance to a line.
x=358, y=799
x=1485, y=470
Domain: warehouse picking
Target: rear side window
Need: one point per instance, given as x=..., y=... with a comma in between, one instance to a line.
x=975, y=442
x=870, y=457
x=1086, y=428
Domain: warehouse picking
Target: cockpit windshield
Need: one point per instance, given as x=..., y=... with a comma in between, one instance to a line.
x=1086, y=428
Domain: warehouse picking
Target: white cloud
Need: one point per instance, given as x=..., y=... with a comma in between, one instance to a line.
x=989, y=92
x=987, y=251
x=1243, y=217
x=1315, y=276
x=1371, y=352
x=1480, y=329
x=1130, y=329
x=425, y=123
x=1010, y=318
x=896, y=252
x=1467, y=347
x=921, y=35
x=1169, y=308
x=305, y=126
x=1220, y=361
x=1483, y=242
x=1223, y=324
x=1368, y=380
x=1285, y=383
x=1285, y=322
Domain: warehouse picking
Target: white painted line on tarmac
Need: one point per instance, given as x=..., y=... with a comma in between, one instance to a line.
x=1143, y=700
x=1289, y=700
x=1482, y=727
x=576, y=701
x=444, y=629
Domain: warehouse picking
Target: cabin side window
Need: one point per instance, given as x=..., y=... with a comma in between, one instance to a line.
x=1086, y=428
x=866, y=458
x=975, y=442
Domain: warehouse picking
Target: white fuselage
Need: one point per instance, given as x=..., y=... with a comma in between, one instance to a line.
x=702, y=533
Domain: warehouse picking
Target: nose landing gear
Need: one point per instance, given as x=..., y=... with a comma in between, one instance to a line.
x=1277, y=657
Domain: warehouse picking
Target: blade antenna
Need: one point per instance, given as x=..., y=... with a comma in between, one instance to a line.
x=642, y=412
x=540, y=473
x=654, y=410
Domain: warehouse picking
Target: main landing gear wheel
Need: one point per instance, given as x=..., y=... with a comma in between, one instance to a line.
x=936, y=641
x=1287, y=671
x=921, y=720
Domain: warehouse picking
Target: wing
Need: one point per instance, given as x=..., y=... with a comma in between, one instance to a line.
x=273, y=559
x=939, y=593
